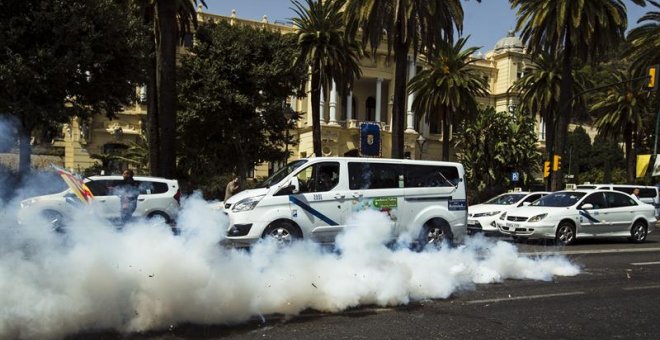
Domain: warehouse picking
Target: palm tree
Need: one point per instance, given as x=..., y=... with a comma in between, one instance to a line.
x=171, y=20
x=620, y=112
x=409, y=26
x=447, y=84
x=328, y=49
x=644, y=41
x=582, y=30
x=538, y=91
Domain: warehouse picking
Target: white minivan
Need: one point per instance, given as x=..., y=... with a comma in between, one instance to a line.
x=314, y=198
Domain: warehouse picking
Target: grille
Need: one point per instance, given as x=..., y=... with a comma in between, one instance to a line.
x=516, y=218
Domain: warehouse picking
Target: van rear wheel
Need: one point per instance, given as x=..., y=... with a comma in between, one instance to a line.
x=283, y=232
x=434, y=233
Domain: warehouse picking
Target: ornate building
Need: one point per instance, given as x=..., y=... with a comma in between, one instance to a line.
x=369, y=101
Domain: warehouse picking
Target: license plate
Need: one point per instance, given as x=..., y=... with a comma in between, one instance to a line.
x=512, y=226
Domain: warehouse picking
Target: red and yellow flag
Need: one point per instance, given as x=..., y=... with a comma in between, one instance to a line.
x=77, y=186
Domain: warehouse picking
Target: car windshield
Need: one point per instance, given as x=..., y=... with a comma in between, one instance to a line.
x=506, y=199
x=559, y=199
x=281, y=173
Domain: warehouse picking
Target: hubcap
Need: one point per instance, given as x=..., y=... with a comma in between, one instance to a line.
x=281, y=235
x=565, y=234
x=638, y=233
x=435, y=236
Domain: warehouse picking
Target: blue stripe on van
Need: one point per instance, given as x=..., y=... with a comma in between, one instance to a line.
x=312, y=211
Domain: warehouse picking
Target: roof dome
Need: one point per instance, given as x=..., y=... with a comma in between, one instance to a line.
x=509, y=43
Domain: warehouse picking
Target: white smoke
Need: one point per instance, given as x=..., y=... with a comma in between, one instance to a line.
x=143, y=277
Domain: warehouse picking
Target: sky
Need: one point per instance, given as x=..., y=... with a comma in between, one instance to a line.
x=485, y=22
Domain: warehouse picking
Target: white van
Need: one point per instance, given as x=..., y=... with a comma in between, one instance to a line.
x=647, y=194
x=313, y=198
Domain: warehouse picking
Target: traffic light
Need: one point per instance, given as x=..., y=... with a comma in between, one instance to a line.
x=556, y=162
x=546, y=169
x=653, y=71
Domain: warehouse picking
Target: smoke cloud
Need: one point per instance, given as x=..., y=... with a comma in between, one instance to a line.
x=142, y=277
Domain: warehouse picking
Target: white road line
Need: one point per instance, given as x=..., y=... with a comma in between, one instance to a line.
x=582, y=252
x=528, y=297
x=640, y=288
x=644, y=263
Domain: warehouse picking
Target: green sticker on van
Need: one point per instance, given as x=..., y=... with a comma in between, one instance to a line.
x=385, y=202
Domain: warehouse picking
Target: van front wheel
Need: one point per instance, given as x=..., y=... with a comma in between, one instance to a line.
x=283, y=232
x=434, y=233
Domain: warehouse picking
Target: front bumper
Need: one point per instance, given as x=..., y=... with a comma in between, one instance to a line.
x=526, y=229
x=486, y=225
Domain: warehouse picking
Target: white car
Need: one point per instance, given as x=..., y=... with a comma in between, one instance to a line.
x=159, y=197
x=568, y=215
x=481, y=217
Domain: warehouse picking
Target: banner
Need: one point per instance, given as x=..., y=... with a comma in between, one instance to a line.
x=370, y=140
x=77, y=186
x=642, y=164
x=656, y=166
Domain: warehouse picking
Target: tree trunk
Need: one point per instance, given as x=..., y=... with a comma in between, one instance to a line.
x=631, y=158
x=445, y=134
x=564, y=116
x=316, y=119
x=166, y=79
x=24, y=153
x=153, y=133
x=401, y=49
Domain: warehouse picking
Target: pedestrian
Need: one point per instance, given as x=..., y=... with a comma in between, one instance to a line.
x=128, y=193
x=232, y=187
x=635, y=193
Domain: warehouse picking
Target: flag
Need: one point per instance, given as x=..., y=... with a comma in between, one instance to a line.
x=656, y=166
x=77, y=186
x=642, y=164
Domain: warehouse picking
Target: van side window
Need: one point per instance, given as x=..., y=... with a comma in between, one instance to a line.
x=373, y=175
x=419, y=176
x=319, y=177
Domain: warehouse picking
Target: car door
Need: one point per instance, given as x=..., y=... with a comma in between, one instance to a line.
x=595, y=220
x=621, y=211
x=106, y=203
x=320, y=205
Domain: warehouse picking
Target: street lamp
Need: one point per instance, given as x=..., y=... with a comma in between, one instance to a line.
x=420, y=142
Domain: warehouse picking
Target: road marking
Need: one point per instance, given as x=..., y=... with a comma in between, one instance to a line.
x=644, y=263
x=582, y=252
x=640, y=288
x=528, y=297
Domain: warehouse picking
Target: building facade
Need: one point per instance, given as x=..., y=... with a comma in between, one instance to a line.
x=370, y=100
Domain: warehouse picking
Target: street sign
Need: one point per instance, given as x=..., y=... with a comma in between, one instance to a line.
x=515, y=176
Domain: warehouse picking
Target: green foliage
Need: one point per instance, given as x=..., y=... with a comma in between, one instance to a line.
x=65, y=58
x=489, y=158
x=645, y=39
x=232, y=92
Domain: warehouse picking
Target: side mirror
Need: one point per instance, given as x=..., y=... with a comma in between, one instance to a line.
x=587, y=206
x=295, y=185
x=526, y=204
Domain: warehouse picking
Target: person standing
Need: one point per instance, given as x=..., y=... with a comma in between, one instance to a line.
x=128, y=193
x=635, y=192
x=232, y=188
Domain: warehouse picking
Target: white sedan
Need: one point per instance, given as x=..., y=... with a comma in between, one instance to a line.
x=568, y=215
x=481, y=217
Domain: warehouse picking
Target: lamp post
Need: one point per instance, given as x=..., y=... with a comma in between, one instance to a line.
x=420, y=142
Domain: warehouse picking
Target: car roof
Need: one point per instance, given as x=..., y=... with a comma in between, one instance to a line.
x=137, y=178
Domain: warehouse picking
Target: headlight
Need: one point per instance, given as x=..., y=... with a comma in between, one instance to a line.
x=27, y=203
x=537, y=218
x=503, y=216
x=246, y=204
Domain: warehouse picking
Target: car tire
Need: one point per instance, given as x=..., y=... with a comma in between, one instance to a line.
x=565, y=234
x=283, y=232
x=434, y=233
x=55, y=220
x=638, y=232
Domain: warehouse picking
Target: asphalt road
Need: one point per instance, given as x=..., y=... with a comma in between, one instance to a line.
x=617, y=295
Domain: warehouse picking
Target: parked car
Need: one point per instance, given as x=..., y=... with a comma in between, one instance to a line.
x=159, y=197
x=647, y=194
x=314, y=199
x=568, y=215
x=481, y=217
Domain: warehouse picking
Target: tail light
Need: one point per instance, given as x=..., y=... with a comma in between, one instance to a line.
x=177, y=196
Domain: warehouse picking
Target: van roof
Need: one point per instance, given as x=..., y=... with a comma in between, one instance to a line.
x=383, y=160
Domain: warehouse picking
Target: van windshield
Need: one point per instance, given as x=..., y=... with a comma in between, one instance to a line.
x=281, y=173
